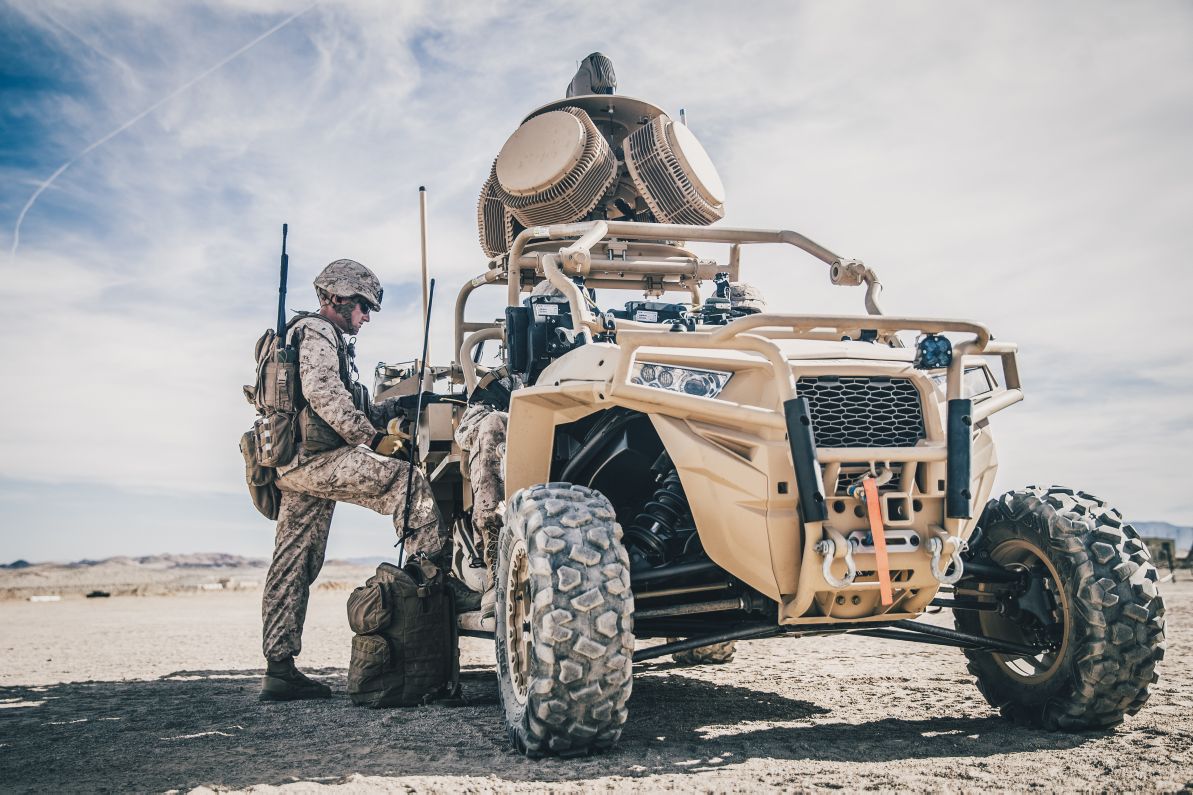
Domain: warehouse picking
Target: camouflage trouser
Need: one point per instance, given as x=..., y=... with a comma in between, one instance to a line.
x=481, y=434
x=309, y=494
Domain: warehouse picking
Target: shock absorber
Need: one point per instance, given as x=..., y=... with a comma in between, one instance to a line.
x=655, y=532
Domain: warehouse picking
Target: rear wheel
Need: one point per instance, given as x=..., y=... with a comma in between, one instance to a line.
x=1087, y=597
x=564, y=633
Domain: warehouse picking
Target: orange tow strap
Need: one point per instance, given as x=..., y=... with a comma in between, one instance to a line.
x=874, y=510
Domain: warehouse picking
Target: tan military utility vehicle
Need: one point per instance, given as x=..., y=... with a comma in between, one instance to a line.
x=697, y=472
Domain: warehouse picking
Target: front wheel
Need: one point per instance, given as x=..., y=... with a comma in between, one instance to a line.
x=564, y=633
x=1087, y=597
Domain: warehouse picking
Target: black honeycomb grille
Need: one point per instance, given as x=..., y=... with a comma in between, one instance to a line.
x=863, y=411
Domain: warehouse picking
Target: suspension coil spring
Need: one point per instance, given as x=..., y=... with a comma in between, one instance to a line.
x=654, y=530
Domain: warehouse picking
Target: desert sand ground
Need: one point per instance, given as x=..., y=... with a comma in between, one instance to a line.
x=158, y=693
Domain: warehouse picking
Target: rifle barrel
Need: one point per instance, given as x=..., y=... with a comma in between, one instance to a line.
x=280, y=331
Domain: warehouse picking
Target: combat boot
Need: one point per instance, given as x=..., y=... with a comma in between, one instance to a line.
x=466, y=599
x=284, y=682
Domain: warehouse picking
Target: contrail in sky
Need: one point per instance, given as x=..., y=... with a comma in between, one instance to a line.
x=16, y=230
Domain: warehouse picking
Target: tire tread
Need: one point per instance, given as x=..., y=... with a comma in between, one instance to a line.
x=582, y=622
x=1119, y=637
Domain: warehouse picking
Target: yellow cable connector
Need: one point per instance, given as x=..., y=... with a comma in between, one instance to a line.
x=395, y=439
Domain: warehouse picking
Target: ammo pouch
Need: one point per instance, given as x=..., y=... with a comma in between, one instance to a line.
x=278, y=385
x=406, y=650
x=260, y=479
x=317, y=436
x=277, y=396
x=274, y=437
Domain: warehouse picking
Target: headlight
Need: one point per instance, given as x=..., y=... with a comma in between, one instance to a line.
x=974, y=383
x=686, y=380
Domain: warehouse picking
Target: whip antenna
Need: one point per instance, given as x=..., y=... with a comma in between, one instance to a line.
x=418, y=411
x=422, y=215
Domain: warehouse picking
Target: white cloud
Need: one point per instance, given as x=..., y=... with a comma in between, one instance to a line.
x=1020, y=164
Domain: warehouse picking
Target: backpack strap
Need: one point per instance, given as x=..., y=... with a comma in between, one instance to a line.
x=451, y=694
x=423, y=572
x=344, y=350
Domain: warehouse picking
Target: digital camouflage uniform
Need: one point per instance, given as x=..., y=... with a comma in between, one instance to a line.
x=312, y=483
x=481, y=435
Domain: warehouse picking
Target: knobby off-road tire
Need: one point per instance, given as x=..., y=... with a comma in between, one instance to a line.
x=1105, y=593
x=565, y=641
x=714, y=654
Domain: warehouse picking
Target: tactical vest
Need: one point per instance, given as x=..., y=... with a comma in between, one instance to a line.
x=286, y=422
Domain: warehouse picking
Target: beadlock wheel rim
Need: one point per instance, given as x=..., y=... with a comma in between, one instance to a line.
x=518, y=640
x=1020, y=555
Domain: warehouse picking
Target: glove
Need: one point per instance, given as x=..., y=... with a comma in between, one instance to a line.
x=409, y=403
x=394, y=440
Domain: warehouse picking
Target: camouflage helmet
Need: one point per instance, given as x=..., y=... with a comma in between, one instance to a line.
x=746, y=298
x=347, y=278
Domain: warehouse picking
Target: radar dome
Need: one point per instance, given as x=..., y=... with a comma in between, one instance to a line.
x=495, y=223
x=555, y=168
x=674, y=174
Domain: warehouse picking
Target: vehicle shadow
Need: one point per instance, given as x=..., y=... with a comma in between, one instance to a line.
x=195, y=728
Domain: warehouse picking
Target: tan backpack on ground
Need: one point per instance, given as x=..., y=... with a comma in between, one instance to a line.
x=407, y=648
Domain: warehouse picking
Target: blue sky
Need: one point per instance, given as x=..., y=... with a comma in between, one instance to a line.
x=1019, y=163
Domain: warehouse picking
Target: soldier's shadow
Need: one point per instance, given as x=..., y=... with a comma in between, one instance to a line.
x=195, y=728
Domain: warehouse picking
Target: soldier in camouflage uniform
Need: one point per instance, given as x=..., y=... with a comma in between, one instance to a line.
x=341, y=430
x=481, y=435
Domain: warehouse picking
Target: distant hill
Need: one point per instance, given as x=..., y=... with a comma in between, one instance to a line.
x=196, y=560
x=372, y=562
x=159, y=574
